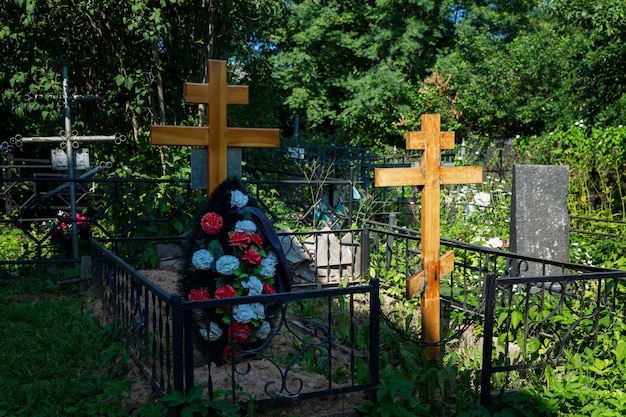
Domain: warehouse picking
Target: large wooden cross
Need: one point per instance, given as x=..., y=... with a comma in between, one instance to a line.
x=431, y=175
x=216, y=137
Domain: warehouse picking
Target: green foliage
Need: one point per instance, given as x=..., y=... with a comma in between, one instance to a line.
x=193, y=404
x=56, y=357
x=596, y=158
x=384, y=50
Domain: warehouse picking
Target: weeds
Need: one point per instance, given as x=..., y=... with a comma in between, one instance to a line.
x=56, y=358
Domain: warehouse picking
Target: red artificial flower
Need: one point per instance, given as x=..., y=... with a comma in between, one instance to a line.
x=227, y=353
x=239, y=332
x=268, y=289
x=211, y=223
x=199, y=295
x=239, y=239
x=257, y=239
x=225, y=291
x=252, y=257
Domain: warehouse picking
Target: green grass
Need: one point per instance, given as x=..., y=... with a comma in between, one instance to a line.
x=55, y=357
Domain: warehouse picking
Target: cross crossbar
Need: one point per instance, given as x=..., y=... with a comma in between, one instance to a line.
x=216, y=137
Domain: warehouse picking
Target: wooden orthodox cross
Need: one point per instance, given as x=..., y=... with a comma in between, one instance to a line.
x=216, y=137
x=431, y=175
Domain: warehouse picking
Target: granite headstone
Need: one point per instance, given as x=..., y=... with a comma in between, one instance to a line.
x=540, y=221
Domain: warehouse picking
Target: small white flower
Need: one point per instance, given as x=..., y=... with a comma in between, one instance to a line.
x=494, y=242
x=269, y=265
x=227, y=264
x=264, y=330
x=238, y=199
x=202, y=259
x=482, y=199
x=246, y=226
x=254, y=286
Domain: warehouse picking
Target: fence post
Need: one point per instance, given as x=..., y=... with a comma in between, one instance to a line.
x=374, y=336
x=490, y=302
x=389, y=248
x=177, y=341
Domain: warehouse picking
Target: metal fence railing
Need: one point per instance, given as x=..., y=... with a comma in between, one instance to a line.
x=319, y=343
x=531, y=310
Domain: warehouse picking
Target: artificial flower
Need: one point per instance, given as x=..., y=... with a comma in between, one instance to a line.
x=202, y=259
x=211, y=223
x=246, y=226
x=239, y=239
x=214, y=333
x=252, y=257
x=227, y=264
x=239, y=332
x=238, y=199
x=245, y=313
x=228, y=353
x=199, y=295
x=225, y=291
x=253, y=285
x=269, y=265
x=264, y=330
x=256, y=239
x=268, y=289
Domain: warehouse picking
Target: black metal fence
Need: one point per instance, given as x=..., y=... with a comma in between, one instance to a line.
x=125, y=208
x=319, y=339
x=531, y=310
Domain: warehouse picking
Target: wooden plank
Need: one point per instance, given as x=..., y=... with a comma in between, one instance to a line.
x=430, y=302
x=446, y=263
x=240, y=137
x=218, y=135
x=415, y=284
x=397, y=177
x=179, y=135
x=461, y=175
x=417, y=140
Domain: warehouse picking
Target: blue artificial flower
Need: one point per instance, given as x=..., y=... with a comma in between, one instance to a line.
x=238, y=199
x=202, y=259
x=246, y=226
x=254, y=285
x=269, y=265
x=227, y=264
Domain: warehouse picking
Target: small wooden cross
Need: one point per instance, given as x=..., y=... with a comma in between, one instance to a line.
x=216, y=137
x=431, y=175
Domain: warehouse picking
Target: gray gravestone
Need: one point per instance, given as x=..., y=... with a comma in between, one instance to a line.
x=539, y=218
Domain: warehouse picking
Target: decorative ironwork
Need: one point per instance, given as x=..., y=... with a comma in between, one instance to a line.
x=311, y=330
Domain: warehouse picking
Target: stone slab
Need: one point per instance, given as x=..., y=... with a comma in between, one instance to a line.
x=540, y=221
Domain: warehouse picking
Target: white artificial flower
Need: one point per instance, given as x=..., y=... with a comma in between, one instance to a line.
x=202, y=259
x=245, y=313
x=254, y=286
x=215, y=332
x=269, y=265
x=246, y=226
x=227, y=264
x=264, y=330
x=238, y=199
